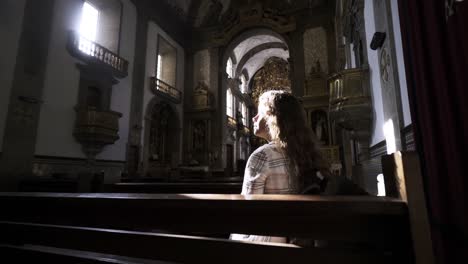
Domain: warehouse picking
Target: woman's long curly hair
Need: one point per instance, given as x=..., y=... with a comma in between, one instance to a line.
x=287, y=128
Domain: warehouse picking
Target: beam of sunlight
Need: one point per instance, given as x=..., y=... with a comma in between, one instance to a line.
x=389, y=136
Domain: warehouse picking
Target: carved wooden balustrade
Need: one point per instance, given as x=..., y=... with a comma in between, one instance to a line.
x=94, y=129
x=166, y=90
x=93, y=53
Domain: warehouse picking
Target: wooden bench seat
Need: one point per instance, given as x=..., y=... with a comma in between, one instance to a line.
x=176, y=187
x=121, y=224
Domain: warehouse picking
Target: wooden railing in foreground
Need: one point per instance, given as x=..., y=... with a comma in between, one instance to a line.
x=125, y=225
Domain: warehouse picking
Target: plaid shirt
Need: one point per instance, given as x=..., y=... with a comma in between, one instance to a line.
x=267, y=171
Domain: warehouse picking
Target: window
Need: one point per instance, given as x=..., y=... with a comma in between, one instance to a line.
x=167, y=62
x=100, y=24
x=243, y=84
x=245, y=118
x=229, y=103
x=89, y=21
x=229, y=68
x=88, y=27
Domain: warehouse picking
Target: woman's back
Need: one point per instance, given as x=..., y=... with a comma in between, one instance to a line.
x=267, y=172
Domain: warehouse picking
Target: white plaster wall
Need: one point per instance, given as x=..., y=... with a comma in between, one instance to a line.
x=60, y=95
x=374, y=75
x=11, y=21
x=151, y=53
x=400, y=63
x=57, y=116
x=121, y=92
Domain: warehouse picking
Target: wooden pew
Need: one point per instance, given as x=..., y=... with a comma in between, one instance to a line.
x=176, y=187
x=120, y=224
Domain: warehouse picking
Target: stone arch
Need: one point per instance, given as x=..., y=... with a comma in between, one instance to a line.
x=249, y=54
x=245, y=32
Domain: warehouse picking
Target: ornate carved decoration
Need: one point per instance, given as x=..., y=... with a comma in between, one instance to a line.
x=94, y=129
x=200, y=141
x=350, y=102
x=202, y=97
x=253, y=15
x=384, y=64
x=316, y=83
x=274, y=75
x=353, y=27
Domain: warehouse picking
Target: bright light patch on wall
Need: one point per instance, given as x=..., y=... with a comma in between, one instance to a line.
x=389, y=136
x=380, y=185
x=229, y=68
x=158, y=74
x=89, y=22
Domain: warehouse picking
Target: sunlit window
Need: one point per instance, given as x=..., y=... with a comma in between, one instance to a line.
x=89, y=21
x=244, y=114
x=88, y=28
x=243, y=84
x=229, y=68
x=229, y=103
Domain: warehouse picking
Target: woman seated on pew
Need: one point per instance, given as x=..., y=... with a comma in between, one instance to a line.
x=291, y=162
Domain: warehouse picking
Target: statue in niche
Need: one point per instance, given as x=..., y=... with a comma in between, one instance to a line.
x=201, y=87
x=320, y=125
x=317, y=65
x=316, y=69
x=202, y=98
x=199, y=136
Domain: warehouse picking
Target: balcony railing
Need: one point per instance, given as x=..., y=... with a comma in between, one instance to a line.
x=231, y=122
x=160, y=87
x=92, y=52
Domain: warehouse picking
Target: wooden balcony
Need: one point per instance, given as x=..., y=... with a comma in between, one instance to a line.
x=96, y=55
x=166, y=90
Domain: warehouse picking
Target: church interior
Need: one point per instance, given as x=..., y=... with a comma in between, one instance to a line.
x=156, y=98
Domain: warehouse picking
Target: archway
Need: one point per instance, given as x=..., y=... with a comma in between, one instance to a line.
x=250, y=50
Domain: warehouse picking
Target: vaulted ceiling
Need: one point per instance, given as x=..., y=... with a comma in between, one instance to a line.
x=252, y=52
x=205, y=13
